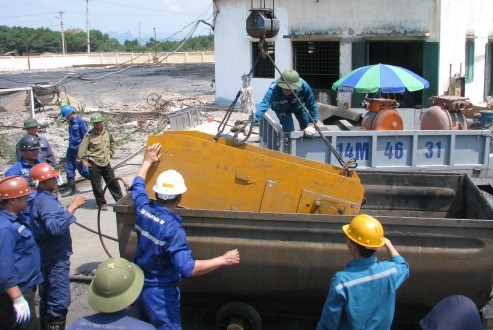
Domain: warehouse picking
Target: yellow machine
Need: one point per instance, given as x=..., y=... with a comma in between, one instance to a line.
x=223, y=176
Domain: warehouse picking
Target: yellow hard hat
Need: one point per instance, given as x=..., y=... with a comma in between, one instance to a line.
x=365, y=230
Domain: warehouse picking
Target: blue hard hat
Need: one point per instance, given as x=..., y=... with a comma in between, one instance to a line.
x=67, y=110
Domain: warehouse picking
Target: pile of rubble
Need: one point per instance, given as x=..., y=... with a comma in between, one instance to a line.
x=130, y=124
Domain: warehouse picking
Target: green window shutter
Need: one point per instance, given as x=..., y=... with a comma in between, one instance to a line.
x=359, y=59
x=469, y=61
x=430, y=70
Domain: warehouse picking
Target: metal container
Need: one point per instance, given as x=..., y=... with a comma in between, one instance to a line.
x=440, y=223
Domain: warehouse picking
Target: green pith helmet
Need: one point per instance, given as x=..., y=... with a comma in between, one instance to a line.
x=293, y=79
x=116, y=285
x=30, y=123
x=97, y=118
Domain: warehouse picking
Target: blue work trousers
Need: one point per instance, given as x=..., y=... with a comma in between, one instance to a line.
x=54, y=292
x=71, y=165
x=160, y=306
x=287, y=123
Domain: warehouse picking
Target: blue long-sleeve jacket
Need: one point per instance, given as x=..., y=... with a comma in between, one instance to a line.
x=162, y=250
x=23, y=168
x=46, y=154
x=363, y=295
x=20, y=262
x=50, y=222
x=274, y=98
x=77, y=128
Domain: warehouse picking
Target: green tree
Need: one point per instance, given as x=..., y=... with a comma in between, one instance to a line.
x=76, y=42
x=22, y=40
x=102, y=43
x=132, y=45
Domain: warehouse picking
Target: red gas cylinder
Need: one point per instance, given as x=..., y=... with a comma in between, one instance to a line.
x=446, y=113
x=436, y=118
x=388, y=119
x=382, y=115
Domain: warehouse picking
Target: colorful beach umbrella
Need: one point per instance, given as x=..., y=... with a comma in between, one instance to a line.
x=380, y=77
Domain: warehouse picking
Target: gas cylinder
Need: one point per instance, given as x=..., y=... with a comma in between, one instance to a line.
x=387, y=119
x=382, y=115
x=436, y=118
x=445, y=113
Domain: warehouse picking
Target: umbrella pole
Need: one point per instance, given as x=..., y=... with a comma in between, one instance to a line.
x=346, y=165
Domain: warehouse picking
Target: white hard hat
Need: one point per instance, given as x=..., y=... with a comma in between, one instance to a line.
x=169, y=184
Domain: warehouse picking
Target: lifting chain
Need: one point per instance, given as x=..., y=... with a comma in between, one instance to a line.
x=241, y=126
x=350, y=163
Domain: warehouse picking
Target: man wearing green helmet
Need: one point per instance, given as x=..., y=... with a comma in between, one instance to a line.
x=95, y=151
x=115, y=286
x=280, y=97
x=363, y=295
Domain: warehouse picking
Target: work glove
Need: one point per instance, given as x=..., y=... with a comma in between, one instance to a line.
x=309, y=131
x=22, y=310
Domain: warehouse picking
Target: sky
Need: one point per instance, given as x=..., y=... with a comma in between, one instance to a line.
x=111, y=16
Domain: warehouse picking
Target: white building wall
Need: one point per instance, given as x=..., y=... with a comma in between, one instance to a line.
x=354, y=20
x=460, y=19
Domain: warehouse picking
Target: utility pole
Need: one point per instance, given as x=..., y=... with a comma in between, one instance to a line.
x=63, y=31
x=155, y=43
x=87, y=27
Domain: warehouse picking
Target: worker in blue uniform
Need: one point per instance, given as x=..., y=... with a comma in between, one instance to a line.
x=29, y=147
x=115, y=286
x=46, y=155
x=77, y=128
x=50, y=222
x=280, y=97
x=162, y=249
x=19, y=258
x=363, y=295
